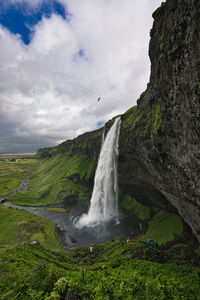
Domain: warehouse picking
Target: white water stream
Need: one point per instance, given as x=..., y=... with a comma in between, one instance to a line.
x=104, y=200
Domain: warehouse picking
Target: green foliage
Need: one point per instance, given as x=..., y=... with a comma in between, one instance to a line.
x=30, y=271
x=164, y=227
x=19, y=226
x=136, y=208
x=60, y=288
x=111, y=271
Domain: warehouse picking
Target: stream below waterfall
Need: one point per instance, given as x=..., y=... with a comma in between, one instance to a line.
x=73, y=237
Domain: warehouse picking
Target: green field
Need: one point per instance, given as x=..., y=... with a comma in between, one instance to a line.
x=57, y=209
x=12, y=173
x=14, y=156
x=20, y=226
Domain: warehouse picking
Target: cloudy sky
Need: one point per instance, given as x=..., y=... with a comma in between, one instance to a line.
x=58, y=56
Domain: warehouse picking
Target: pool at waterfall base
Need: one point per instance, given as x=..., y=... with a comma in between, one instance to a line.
x=72, y=237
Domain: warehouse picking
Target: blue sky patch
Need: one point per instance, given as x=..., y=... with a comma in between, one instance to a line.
x=20, y=18
x=100, y=124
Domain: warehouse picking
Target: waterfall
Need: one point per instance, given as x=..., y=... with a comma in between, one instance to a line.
x=104, y=200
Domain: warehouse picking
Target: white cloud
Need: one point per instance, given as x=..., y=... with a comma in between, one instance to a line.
x=50, y=87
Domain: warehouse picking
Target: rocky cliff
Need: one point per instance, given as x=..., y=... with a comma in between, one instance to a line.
x=159, y=141
x=160, y=138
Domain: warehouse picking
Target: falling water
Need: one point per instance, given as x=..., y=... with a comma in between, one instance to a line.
x=104, y=200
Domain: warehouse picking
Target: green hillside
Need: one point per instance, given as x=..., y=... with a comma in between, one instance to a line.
x=114, y=270
x=63, y=178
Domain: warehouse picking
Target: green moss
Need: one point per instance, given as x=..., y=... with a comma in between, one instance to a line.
x=198, y=250
x=198, y=84
x=136, y=208
x=155, y=209
x=164, y=227
x=131, y=118
x=153, y=120
x=110, y=122
x=141, y=123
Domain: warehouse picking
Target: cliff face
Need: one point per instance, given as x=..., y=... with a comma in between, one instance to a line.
x=159, y=141
x=160, y=137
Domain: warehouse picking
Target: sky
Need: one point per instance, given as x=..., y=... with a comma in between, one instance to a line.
x=57, y=57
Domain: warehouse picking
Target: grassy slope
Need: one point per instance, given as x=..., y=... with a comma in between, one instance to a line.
x=115, y=270
x=12, y=173
x=49, y=184
x=163, y=225
x=19, y=226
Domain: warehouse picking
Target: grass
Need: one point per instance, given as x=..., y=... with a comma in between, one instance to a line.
x=112, y=271
x=12, y=173
x=19, y=226
x=136, y=208
x=58, y=179
x=57, y=209
x=14, y=156
x=164, y=227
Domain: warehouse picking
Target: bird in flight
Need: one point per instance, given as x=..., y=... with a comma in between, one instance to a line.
x=98, y=99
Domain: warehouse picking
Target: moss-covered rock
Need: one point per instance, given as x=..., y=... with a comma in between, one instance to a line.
x=142, y=212
x=164, y=227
